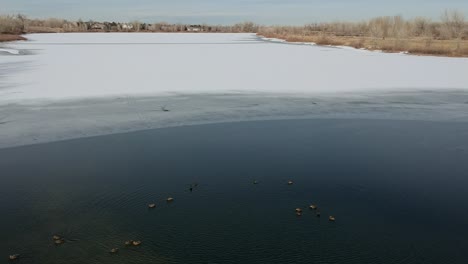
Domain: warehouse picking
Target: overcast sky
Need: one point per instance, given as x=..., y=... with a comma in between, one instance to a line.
x=229, y=11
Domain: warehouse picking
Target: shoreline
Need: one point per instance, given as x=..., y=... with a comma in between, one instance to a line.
x=357, y=43
x=369, y=44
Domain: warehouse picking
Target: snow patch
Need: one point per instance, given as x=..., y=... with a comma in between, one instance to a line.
x=274, y=39
x=10, y=51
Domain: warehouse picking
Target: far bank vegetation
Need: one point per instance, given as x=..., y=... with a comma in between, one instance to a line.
x=447, y=36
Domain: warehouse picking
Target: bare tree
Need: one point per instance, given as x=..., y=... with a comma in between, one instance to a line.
x=12, y=24
x=136, y=25
x=453, y=24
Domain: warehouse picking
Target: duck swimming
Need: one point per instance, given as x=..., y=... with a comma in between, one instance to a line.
x=14, y=257
x=313, y=207
x=170, y=199
x=152, y=205
x=193, y=186
x=290, y=182
x=136, y=243
x=114, y=250
x=331, y=218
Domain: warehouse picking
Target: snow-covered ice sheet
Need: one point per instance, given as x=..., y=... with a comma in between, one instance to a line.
x=84, y=65
x=65, y=86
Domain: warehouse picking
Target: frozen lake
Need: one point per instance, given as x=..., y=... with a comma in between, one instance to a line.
x=61, y=86
x=96, y=65
x=378, y=140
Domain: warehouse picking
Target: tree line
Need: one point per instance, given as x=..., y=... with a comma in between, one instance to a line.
x=452, y=25
x=19, y=24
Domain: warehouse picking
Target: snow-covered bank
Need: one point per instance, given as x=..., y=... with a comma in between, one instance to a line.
x=88, y=65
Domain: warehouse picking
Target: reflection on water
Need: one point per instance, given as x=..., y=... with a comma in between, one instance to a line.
x=397, y=188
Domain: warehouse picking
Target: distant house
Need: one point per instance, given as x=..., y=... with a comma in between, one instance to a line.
x=98, y=26
x=126, y=26
x=194, y=28
x=112, y=26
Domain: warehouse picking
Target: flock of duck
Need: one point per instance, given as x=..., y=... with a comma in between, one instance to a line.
x=58, y=240
x=314, y=207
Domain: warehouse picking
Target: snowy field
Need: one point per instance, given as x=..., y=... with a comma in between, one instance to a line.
x=60, y=86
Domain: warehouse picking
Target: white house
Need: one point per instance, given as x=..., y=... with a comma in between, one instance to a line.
x=194, y=28
x=127, y=26
x=98, y=26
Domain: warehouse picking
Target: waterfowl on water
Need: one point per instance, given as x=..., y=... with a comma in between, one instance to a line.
x=152, y=205
x=170, y=199
x=55, y=237
x=331, y=218
x=136, y=243
x=14, y=257
x=193, y=186
x=313, y=207
x=59, y=241
x=114, y=250
x=290, y=182
x=129, y=242
x=298, y=210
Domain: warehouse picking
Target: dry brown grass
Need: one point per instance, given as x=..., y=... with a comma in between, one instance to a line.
x=419, y=46
x=10, y=37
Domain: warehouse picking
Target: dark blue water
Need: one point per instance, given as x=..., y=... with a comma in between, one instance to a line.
x=398, y=190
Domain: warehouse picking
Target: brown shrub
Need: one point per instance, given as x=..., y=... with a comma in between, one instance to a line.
x=9, y=37
x=12, y=24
